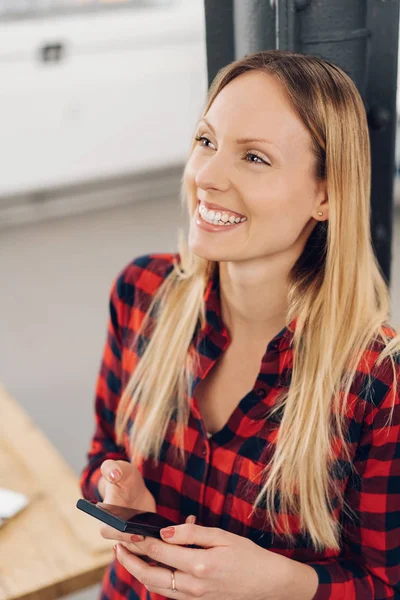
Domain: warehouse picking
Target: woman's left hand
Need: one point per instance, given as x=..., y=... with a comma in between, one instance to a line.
x=226, y=565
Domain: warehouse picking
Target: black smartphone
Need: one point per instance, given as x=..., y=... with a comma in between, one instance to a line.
x=127, y=520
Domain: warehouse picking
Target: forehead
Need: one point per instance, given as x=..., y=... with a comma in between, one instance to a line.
x=256, y=105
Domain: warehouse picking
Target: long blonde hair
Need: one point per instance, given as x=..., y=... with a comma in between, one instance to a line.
x=337, y=294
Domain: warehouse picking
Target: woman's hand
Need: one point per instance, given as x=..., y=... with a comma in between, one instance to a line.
x=226, y=566
x=122, y=484
x=110, y=533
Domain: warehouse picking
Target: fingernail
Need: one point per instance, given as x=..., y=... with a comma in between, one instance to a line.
x=168, y=532
x=192, y=519
x=115, y=548
x=115, y=475
x=137, y=538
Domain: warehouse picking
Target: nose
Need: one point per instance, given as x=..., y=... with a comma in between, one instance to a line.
x=212, y=174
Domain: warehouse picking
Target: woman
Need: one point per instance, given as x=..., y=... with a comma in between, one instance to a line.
x=250, y=381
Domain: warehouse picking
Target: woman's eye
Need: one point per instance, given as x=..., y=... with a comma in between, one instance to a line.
x=201, y=138
x=249, y=156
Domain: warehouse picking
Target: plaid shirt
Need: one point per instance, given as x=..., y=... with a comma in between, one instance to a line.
x=221, y=479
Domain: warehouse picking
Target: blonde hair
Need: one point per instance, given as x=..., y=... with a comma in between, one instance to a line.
x=337, y=294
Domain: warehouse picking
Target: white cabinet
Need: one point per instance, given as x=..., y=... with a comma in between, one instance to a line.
x=98, y=95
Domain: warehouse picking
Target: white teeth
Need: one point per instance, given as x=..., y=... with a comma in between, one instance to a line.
x=218, y=218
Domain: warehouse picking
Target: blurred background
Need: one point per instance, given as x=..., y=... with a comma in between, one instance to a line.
x=94, y=132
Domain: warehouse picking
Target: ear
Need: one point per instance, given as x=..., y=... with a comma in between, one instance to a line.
x=322, y=203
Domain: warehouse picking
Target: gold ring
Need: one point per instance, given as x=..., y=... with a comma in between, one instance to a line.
x=173, y=582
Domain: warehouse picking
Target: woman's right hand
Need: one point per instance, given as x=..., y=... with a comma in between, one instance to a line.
x=122, y=484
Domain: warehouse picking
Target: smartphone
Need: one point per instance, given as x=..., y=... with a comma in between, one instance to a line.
x=128, y=520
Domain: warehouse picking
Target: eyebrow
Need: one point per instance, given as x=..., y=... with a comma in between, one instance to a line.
x=240, y=140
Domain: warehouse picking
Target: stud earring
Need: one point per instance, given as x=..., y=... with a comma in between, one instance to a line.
x=320, y=214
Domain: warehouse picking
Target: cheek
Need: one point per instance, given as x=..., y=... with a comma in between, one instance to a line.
x=275, y=218
x=266, y=200
x=302, y=190
x=280, y=198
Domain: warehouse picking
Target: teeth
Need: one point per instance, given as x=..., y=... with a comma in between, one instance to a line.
x=218, y=218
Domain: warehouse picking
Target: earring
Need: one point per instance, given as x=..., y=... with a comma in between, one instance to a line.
x=320, y=214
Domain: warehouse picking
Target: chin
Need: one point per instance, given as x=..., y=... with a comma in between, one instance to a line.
x=209, y=249
x=202, y=251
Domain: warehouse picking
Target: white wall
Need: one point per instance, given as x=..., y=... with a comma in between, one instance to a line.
x=108, y=108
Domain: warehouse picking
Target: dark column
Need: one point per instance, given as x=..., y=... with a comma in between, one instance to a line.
x=383, y=22
x=219, y=35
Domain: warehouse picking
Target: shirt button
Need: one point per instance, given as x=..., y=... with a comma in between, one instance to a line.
x=204, y=452
x=261, y=393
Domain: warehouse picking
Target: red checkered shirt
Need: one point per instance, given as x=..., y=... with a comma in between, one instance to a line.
x=220, y=480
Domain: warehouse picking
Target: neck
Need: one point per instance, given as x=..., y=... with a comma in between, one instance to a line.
x=254, y=299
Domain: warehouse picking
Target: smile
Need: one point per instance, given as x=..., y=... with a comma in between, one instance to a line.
x=219, y=218
x=211, y=224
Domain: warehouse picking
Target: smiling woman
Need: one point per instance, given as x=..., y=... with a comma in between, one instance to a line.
x=265, y=181
x=273, y=339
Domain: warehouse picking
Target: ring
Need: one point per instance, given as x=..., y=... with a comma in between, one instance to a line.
x=173, y=582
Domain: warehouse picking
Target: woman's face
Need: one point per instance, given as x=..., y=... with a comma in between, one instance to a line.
x=269, y=183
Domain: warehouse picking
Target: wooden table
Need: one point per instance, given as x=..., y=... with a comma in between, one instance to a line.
x=51, y=548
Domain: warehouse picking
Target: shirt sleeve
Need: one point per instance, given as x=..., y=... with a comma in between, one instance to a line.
x=368, y=566
x=107, y=394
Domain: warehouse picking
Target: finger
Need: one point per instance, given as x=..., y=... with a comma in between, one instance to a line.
x=137, y=552
x=190, y=519
x=165, y=593
x=188, y=560
x=155, y=576
x=131, y=547
x=111, y=470
x=110, y=533
x=190, y=534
